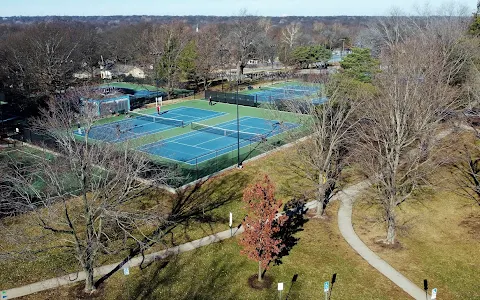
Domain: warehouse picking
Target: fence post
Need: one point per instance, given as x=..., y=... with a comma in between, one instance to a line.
x=196, y=168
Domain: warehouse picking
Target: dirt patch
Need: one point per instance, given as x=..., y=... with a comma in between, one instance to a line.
x=472, y=224
x=312, y=214
x=77, y=292
x=380, y=242
x=266, y=283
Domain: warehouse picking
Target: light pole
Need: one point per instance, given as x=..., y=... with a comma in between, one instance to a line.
x=343, y=46
x=239, y=164
x=155, y=69
x=222, y=51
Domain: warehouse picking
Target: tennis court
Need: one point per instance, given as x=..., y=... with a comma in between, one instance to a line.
x=137, y=125
x=284, y=92
x=208, y=142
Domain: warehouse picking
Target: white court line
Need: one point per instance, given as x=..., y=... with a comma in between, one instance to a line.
x=219, y=137
x=194, y=146
x=177, y=151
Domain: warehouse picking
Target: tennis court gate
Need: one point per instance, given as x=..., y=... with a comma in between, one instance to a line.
x=109, y=106
x=231, y=98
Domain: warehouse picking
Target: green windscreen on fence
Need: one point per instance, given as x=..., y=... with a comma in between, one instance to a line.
x=231, y=98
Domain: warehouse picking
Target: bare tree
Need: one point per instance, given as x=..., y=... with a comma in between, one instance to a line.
x=83, y=199
x=323, y=156
x=208, y=47
x=242, y=40
x=169, y=41
x=42, y=58
x=466, y=171
x=397, y=134
x=291, y=33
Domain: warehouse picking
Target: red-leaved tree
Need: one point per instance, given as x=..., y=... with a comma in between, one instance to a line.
x=261, y=224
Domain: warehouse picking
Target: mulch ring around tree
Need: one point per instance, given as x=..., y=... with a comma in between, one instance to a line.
x=78, y=292
x=266, y=283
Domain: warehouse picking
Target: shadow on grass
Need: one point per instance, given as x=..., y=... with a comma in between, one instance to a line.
x=296, y=211
x=187, y=206
x=206, y=274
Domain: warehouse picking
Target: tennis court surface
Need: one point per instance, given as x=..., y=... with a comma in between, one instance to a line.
x=208, y=142
x=138, y=125
x=286, y=92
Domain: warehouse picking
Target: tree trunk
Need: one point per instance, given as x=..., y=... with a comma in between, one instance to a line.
x=260, y=271
x=321, y=196
x=89, y=286
x=240, y=67
x=391, y=226
x=320, y=201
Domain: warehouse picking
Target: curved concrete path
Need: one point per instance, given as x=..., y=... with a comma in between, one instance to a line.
x=346, y=198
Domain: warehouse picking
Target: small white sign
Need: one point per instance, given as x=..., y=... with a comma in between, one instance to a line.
x=126, y=271
x=280, y=286
x=231, y=220
x=434, y=293
x=4, y=295
x=326, y=286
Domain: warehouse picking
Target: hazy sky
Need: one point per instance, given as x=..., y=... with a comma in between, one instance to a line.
x=210, y=7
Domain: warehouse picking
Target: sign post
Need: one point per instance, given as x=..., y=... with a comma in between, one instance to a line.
x=326, y=288
x=434, y=293
x=280, y=289
x=4, y=295
x=230, y=224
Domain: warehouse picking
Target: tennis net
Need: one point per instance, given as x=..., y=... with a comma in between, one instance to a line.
x=155, y=119
x=290, y=91
x=227, y=132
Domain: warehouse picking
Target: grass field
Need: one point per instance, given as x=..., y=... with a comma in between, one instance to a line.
x=439, y=234
x=203, y=273
x=219, y=271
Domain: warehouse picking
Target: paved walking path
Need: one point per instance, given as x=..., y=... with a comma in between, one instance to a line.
x=346, y=198
x=344, y=222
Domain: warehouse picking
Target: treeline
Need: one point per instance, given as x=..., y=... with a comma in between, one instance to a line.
x=307, y=21
x=39, y=60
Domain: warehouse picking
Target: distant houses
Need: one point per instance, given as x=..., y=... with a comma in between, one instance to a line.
x=113, y=71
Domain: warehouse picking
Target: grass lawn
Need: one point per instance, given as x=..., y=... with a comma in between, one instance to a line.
x=226, y=189
x=439, y=237
x=320, y=253
x=219, y=271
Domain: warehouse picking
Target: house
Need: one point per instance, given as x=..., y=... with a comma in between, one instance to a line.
x=82, y=75
x=106, y=74
x=128, y=70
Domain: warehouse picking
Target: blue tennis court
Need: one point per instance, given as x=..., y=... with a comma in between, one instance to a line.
x=283, y=92
x=206, y=142
x=137, y=125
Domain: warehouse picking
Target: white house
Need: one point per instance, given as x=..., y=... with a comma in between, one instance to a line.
x=106, y=74
x=128, y=70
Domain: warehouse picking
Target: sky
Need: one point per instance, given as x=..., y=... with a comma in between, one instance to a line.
x=212, y=7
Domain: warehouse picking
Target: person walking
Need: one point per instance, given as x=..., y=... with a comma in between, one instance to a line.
x=210, y=101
